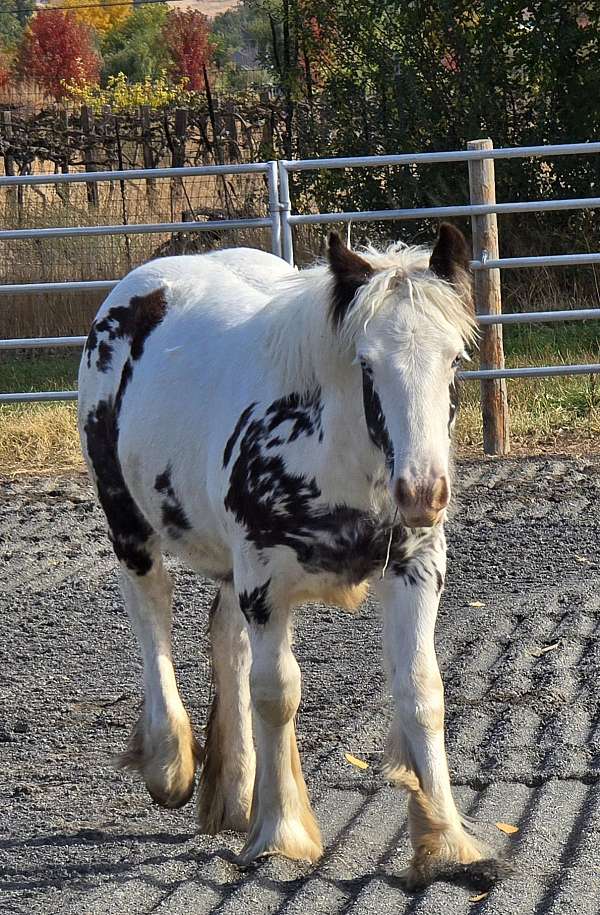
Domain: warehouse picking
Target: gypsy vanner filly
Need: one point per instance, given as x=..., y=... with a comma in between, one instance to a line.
x=287, y=434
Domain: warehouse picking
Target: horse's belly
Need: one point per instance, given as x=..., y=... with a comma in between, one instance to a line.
x=176, y=503
x=203, y=555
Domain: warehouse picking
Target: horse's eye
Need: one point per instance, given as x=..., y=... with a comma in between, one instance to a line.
x=365, y=366
x=457, y=361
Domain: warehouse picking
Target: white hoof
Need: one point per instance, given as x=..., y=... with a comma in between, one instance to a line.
x=289, y=837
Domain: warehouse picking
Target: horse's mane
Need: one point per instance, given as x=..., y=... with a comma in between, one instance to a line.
x=301, y=338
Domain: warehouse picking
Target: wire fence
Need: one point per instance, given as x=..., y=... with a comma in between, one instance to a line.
x=196, y=208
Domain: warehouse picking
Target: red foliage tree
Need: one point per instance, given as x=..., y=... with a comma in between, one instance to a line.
x=57, y=48
x=5, y=73
x=187, y=36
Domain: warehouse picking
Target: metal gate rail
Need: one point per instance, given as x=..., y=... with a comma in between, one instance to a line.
x=281, y=222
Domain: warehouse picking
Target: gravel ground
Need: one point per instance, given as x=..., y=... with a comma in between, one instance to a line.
x=523, y=722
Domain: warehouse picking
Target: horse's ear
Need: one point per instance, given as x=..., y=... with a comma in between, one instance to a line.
x=350, y=272
x=450, y=256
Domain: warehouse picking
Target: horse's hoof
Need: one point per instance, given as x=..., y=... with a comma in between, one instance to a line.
x=287, y=838
x=174, y=800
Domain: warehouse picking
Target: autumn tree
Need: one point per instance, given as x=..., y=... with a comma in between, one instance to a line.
x=187, y=36
x=5, y=71
x=101, y=15
x=136, y=46
x=57, y=49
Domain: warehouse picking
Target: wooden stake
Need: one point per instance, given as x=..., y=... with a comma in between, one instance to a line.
x=87, y=127
x=151, y=195
x=488, y=301
x=12, y=196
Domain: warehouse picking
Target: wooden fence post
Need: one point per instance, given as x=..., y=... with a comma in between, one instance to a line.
x=232, y=134
x=488, y=301
x=148, y=156
x=87, y=127
x=178, y=161
x=64, y=190
x=12, y=193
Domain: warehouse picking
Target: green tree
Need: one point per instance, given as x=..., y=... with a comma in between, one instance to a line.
x=136, y=46
x=245, y=27
x=13, y=23
x=408, y=76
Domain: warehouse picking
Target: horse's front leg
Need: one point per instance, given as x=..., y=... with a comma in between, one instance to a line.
x=282, y=821
x=415, y=754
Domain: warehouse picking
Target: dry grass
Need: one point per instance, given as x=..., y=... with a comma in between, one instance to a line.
x=547, y=415
x=108, y=256
x=39, y=438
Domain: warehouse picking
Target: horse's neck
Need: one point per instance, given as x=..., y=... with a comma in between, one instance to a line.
x=302, y=346
x=306, y=354
x=350, y=467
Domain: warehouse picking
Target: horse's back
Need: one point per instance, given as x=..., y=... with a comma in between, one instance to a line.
x=170, y=301
x=161, y=373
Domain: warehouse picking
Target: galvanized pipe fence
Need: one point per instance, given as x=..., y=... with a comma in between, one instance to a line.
x=483, y=210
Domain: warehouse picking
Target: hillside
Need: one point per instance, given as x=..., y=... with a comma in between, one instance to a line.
x=210, y=8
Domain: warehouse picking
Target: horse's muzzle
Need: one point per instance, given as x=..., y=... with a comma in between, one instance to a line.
x=422, y=503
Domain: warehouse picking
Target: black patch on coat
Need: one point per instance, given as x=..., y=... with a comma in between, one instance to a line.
x=104, y=356
x=239, y=426
x=128, y=529
x=135, y=322
x=271, y=504
x=90, y=344
x=376, y=426
x=126, y=376
x=174, y=517
x=350, y=272
x=255, y=606
x=417, y=570
x=303, y=410
x=148, y=312
x=351, y=544
x=117, y=324
x=279, y=508
x=455, y=393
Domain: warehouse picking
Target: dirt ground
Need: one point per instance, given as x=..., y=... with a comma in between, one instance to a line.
x=520, y=657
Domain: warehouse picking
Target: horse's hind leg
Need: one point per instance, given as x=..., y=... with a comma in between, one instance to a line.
x=227, y=778
x=162, y=746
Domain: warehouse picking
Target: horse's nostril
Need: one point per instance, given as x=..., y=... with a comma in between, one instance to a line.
x=440, y=494
x=405, y=493
x=423, y=497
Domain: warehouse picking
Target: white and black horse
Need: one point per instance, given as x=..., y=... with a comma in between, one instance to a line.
x=286, y=434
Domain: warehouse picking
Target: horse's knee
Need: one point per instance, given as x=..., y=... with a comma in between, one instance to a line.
x=420, y=701
x=275, y=690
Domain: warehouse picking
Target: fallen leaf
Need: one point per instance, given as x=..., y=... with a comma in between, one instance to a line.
x=478, y=898
x=582, y=559
x=476, y=603
x=507, y=828
x=359, y=763
x=538, y=652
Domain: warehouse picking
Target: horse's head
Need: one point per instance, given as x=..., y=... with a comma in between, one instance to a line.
x=407, y=315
